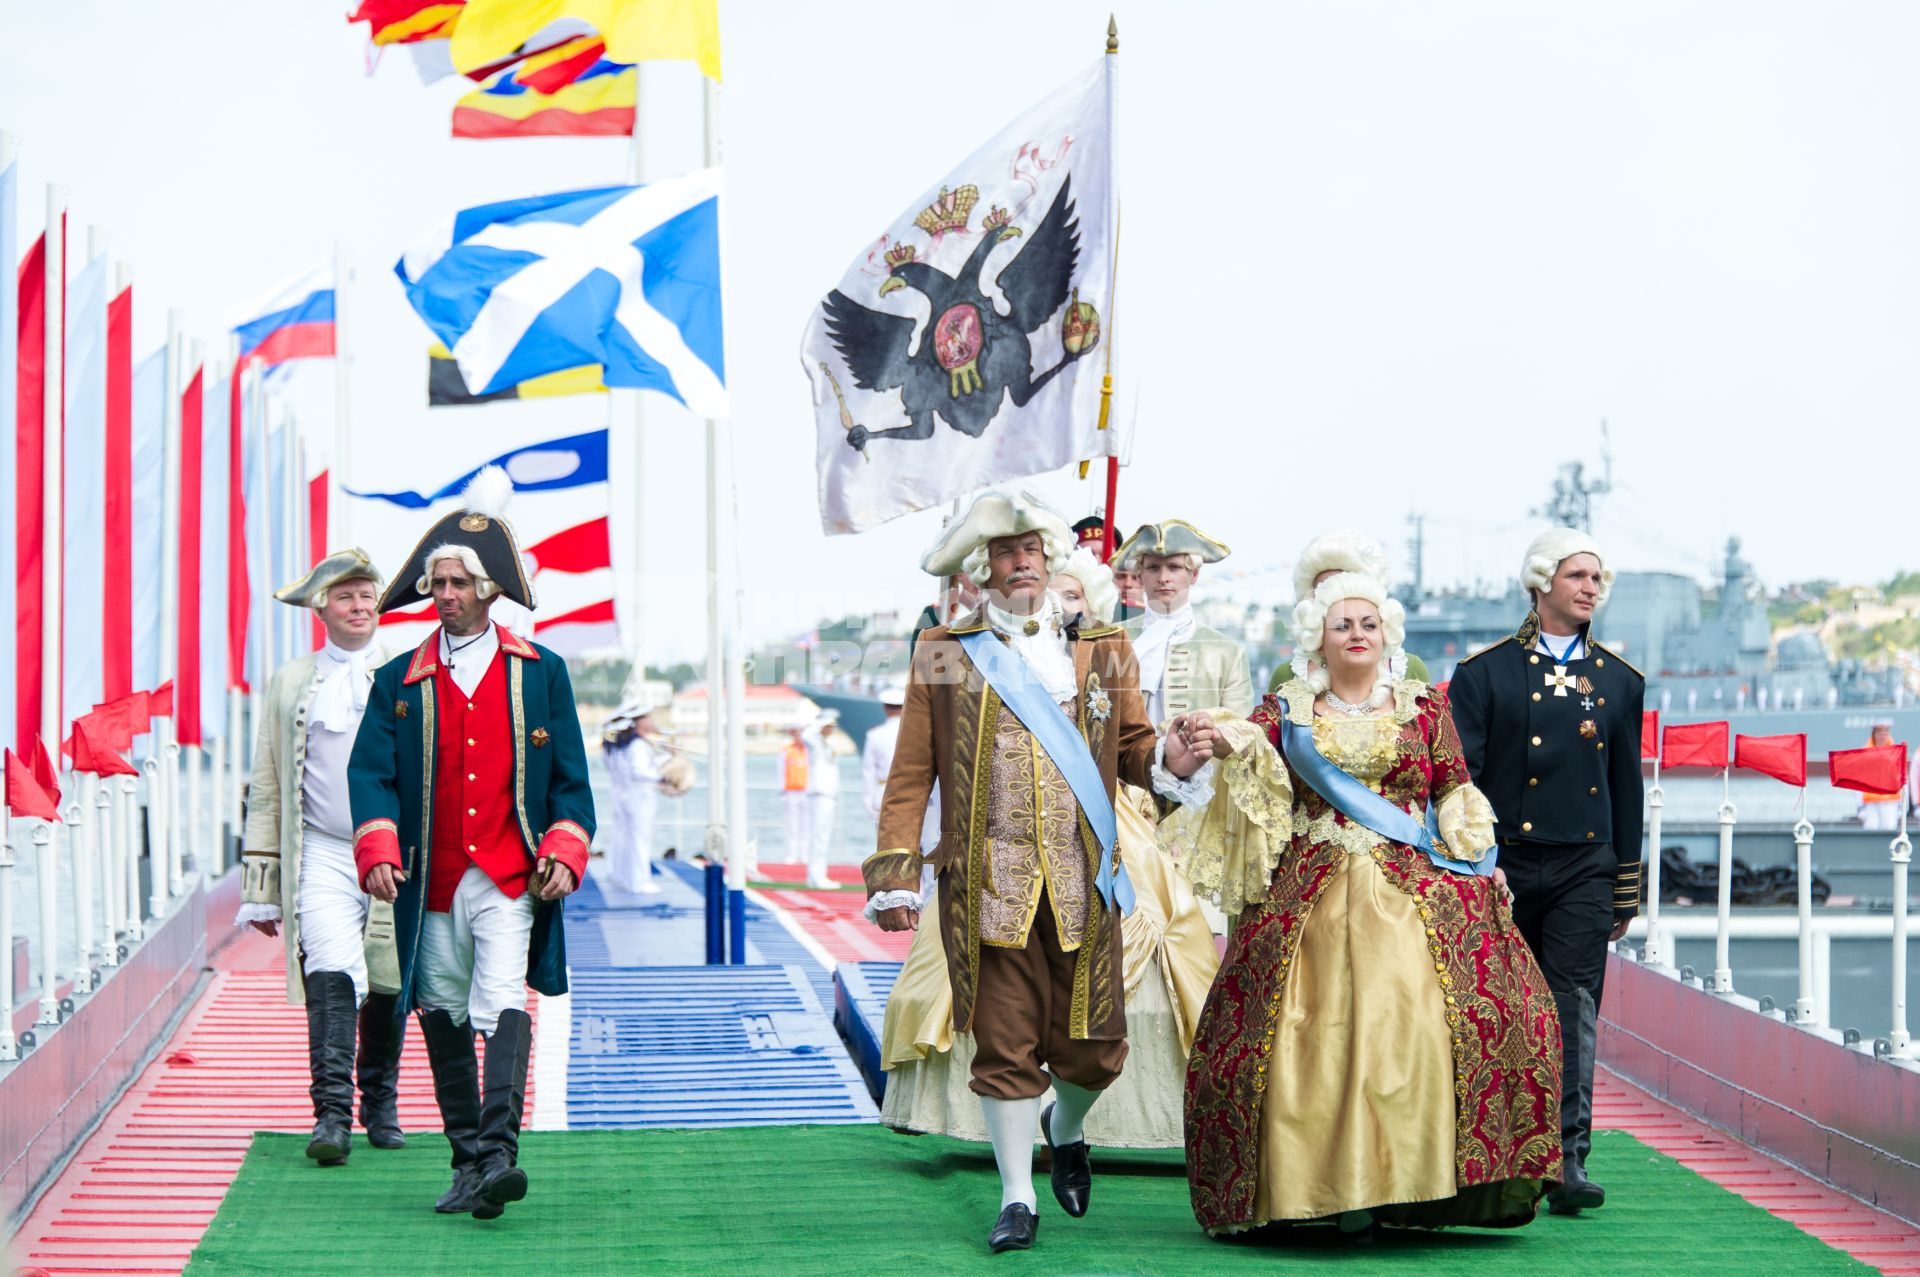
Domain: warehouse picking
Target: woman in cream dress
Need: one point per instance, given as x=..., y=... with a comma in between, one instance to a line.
x=1380, y=1044
x=1170, y=959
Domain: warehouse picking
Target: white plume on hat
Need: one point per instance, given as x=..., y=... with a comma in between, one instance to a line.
x=1310, y=631
x=1342, y=550
x=1552, y=548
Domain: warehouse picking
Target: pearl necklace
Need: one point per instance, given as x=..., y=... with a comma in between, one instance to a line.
x=1348, y=707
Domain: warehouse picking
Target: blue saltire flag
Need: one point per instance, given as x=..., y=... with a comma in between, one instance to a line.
x=538, y=467
x=627, y=277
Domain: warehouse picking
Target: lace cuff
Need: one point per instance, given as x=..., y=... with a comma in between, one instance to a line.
x=1465, y=818
x=1229, y=847
x=252, y=913
x=890, y=900
x=1195, y=791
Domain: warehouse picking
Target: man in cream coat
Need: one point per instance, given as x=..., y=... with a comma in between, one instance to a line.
x=1184, y=666
x=298, y=860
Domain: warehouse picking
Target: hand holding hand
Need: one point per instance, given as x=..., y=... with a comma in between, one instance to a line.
x=383, y=883
x=1189, y=745
x=898, y=918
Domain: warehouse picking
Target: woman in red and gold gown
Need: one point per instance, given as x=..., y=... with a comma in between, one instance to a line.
x=1379, y=1045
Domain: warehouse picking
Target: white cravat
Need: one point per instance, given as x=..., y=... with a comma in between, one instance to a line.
x=469, y=664
x=1158, y=635
x=343, y=680
x=1045, y=650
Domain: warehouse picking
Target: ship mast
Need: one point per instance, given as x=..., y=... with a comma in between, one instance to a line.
x=1571, y=505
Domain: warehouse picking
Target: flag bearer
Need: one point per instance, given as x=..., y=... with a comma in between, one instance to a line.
x=472, y=813
x=1550, y=725
x=297, y=860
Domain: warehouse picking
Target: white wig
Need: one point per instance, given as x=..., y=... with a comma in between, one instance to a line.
x=484, y=586
x=1552, y=548
x=1096, y=582
x=1310, y=632
x=1343, y=550
x=978, y=566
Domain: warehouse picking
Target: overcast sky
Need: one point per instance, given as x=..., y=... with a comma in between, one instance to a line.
x=1378, y=258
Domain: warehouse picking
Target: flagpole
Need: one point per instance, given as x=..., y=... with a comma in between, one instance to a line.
x=1804, y=1011
x=9, y=1048
x=1113, y=279
x=52, y=566
x=1723, y=932
x=260, y=546
x=1656, y=804
x=337, y=530
x=636, y=531
x=162, y=803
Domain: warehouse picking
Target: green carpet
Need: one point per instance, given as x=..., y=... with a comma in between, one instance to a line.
x=839, y=1200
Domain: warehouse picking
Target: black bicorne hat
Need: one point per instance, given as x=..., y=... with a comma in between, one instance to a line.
x=477, y=525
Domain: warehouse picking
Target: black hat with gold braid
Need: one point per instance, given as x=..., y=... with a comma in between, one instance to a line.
x=478, y=528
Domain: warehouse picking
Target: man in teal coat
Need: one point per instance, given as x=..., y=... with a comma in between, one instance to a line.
x=472, y=815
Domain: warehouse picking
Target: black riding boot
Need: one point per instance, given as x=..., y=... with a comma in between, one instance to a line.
x=382, y=1034
x=1579, y=1031
x=505, y=1095
x=456, y=1087
x=330, y=1017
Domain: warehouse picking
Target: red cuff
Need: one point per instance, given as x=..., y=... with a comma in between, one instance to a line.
x=569, y=844
x=376, y=843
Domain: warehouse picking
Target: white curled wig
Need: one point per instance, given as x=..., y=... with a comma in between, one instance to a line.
x=1096, y=582
x=1552, y=548
x=1310, y=632
x=484, y=586
x=1343, y=550
x=1058, y=548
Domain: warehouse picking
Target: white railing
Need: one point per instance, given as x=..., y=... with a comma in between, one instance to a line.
x=1659, y=933
x=98, y=838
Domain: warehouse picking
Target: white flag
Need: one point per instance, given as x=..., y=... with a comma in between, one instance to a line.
x=966, y=346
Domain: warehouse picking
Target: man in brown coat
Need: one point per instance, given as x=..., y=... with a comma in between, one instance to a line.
x=1026, y=723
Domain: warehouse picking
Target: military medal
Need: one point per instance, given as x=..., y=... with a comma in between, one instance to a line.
x=1559, y=681
x=1589, y=728
x=539, y=737
x=399, y=709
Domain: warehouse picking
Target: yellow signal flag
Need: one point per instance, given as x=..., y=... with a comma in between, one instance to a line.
x=492, y=31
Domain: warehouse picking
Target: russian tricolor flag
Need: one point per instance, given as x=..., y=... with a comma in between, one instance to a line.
x=296, y=322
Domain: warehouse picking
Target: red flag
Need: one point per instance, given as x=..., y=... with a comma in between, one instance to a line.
x=1781, y=757
x=582, y=548
x=117, y=609
x=25, y=797
x=1877, y=769
x=43, y=773
x=1695, y=745
x=29, y=495
x=101, y=758
x=1649, y=733
x=160, y=701
x=113, y=723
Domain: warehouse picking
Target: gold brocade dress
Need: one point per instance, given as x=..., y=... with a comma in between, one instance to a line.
x=1379, y=1036
x=1170, y=959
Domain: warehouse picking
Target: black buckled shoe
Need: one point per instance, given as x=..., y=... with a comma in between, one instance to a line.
x=382, y=1034
x=1072, y=1169
x=330, y=1022
x=503, y=1099
x=1014, y=1230
x=1576, y=1193
x=456, y=1088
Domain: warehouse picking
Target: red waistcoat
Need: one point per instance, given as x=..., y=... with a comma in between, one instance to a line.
x=474, y=820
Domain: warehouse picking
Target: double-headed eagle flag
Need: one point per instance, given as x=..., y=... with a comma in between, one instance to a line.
x=627, y=277
x=964, y=347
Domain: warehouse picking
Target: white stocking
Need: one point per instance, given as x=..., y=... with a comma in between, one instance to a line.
x=1011, y=1125
x=1070, y=1105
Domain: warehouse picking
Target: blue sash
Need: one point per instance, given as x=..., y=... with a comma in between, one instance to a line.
x=1007, y=673
x=1352, y=799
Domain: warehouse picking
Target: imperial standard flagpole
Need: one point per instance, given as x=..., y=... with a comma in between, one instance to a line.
x=1113, y=277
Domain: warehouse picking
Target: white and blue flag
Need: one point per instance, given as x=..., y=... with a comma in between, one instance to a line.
x=627, y=277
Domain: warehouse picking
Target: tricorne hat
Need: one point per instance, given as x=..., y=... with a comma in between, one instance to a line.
x=1174, y=536
x=478, y=527
x=350, y=564
x=995, y=514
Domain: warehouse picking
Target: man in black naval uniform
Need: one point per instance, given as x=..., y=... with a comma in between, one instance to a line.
x=1550, y=724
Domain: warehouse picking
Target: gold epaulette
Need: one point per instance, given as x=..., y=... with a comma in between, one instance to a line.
x=1483, y=651
x=1623, y=660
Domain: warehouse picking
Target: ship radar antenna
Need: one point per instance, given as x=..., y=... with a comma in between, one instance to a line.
x=1572, y=502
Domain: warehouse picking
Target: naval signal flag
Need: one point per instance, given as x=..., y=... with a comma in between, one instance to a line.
x=1695, y=745
x=1782, y=757
x=1875, y=769
x=25, y=795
